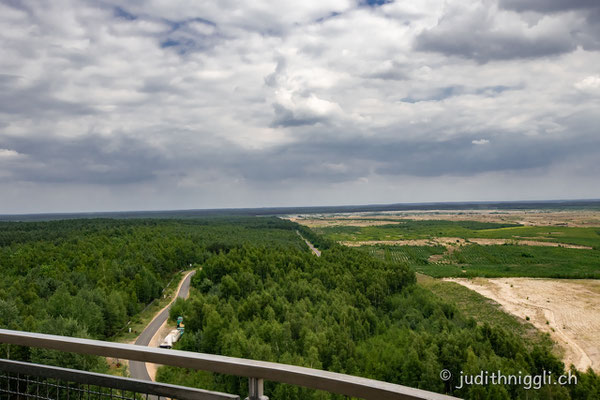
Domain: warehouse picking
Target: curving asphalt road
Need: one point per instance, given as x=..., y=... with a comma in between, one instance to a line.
x=137, y=369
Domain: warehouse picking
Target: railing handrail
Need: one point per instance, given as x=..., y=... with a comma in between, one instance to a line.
x=332, y=382
x=115, y=382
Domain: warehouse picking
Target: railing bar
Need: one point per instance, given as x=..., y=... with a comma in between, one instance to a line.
x=300, y=376
x=134, y=385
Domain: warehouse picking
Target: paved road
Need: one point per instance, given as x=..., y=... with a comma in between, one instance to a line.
x=310, y=245
x=137, y=369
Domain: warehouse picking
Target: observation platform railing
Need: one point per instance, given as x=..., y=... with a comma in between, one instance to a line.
x=20, y=380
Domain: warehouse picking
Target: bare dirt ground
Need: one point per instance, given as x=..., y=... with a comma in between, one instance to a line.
x=452, y=242
x=341, y=221
x=566, y=309
x=579, y=218
x=487, y=242
x=414, y=242
x=438, y=241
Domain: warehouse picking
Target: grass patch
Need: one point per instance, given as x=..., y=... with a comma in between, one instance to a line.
x=409, y=229
x=463, y=229
x=142, y=319
x=557, y=234
x=483, y=309
x=516, y=261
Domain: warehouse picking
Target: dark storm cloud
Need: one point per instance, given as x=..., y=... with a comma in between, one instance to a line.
x=474, y=34
x=18, y=98
x=285, y=117
x=91, y=159
x=451, y=157
x=589, y=33
x=479, y=43
x=325, y=160
x=586, y=34
x=549, y=6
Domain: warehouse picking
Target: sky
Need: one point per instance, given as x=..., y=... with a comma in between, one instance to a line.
x=168, y=104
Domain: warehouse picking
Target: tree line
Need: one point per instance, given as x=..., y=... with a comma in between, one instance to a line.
x=348, y=312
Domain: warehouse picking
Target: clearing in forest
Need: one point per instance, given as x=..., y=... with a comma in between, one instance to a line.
x=566, y=309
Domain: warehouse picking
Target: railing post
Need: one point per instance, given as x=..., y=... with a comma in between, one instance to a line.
x=255, y=389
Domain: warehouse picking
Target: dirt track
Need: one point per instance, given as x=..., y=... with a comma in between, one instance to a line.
x=566, y=309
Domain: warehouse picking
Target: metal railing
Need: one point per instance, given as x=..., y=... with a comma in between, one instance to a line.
x=256, y=371
x=44, y=382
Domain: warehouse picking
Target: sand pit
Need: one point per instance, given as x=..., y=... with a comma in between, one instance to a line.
x=573, y=218
x=341, y=221
x=566, y=309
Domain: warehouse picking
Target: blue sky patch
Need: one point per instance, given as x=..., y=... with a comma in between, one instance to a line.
x=376, y=3
x=124, y=14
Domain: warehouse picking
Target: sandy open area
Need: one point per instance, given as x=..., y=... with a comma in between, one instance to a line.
x=452, y=242
x=341, y=221
x=524, y=217
x=569, y=310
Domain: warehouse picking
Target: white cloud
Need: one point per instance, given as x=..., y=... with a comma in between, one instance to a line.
x=589, y=84
x=6, y=154
x=246, y=98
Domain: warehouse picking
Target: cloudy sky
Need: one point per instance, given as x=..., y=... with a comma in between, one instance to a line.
x=170, y=104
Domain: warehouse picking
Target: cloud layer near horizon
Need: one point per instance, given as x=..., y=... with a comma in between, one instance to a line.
x=176, y=104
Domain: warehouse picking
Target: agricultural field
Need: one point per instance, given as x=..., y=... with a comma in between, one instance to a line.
x=432, y=229
x=478, y=249
x=407, y=230
x=495, y=261
x=413, y=255
x=533, y=273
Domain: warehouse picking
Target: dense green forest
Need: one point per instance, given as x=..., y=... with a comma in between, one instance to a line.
x=88, y=277
x=348, y=312
x=260, y=293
